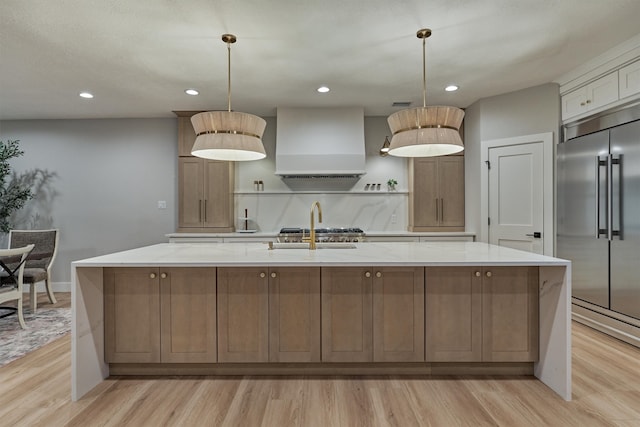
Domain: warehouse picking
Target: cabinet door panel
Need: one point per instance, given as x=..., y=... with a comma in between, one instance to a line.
x=191, y=197
x=243, y=315
x=294, y=315
x=186, y=136
x=510, y=314
x=346, y=315
x=398, y=314
x=453, y=314
x=425, y=193
x=217, y=213
x=188, y=313
x=451, y=182
x=132, y=315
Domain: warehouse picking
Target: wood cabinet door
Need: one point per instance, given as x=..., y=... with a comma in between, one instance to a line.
x=243, y=314
x=132, y=315
x=347, y=316
x=424, y=193
x=188, y=315
x=191, y=192
x=218, y=200
x=398, y=314
x=510, y=314
x=451, y=185
x=453, y=314
x=294, y=314
x=186, y=136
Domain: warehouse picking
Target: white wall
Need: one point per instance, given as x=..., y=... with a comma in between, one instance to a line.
x=110, y=175
x=278, y=206
x=525, y=112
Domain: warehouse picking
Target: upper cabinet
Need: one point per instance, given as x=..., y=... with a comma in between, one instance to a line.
x=611, y=80
x=629, y=80
x=590, y=97
x=205, y=187
x=436, y=193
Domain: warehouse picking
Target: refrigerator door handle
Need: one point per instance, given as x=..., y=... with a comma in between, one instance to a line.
x=609, y=197
x=599, y=231
x=616, y=162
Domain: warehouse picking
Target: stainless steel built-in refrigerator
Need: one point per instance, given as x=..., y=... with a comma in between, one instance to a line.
x=598, y=225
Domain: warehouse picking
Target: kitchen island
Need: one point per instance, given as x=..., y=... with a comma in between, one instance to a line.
x=398, y=308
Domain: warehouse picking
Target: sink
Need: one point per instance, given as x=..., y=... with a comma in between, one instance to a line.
x=328, y=245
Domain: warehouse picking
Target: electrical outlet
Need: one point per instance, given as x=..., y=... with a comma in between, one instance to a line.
x=162, y=204
x=394, y=218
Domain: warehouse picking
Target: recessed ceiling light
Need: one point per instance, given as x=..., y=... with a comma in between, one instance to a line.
x=86, y=95
x=451, y=88
x=323, y=89
x=191, y=92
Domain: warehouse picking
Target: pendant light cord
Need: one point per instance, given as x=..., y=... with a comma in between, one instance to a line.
x=229, y=76
x=424, y=74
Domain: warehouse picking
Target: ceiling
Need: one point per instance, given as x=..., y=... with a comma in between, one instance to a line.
x=138, y=57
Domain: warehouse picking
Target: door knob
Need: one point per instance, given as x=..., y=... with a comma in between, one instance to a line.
x=535, y=235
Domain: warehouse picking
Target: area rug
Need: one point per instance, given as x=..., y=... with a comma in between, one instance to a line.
x=42, y=328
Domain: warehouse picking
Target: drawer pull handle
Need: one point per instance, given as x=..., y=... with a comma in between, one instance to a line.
x=367, y=274
x=489, y=274
x=274, y=275
x=378, y=274
x=152, y=275
x=262, y=275
x=163, y=275
x=477, y=274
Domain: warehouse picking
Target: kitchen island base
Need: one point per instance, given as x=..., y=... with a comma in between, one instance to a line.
x=552, y=367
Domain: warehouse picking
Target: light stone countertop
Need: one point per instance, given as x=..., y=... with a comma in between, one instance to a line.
x=364, y=254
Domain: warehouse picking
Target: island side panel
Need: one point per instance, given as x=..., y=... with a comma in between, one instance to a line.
x=554, y=366
x=88, y=367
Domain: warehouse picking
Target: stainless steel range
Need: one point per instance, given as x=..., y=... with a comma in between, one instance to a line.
x=294, y=235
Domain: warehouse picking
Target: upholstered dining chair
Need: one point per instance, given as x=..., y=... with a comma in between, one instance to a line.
x=13, y=264
x=38, y=266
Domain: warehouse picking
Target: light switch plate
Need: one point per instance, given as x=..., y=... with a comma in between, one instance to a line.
x=162, y=204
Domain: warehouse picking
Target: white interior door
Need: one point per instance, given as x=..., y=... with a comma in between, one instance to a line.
x=516, y=203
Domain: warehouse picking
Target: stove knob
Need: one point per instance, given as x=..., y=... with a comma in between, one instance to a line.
x=355, y=240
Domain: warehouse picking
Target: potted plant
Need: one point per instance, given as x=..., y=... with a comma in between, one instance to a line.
x=391, y=184
x=14, y=193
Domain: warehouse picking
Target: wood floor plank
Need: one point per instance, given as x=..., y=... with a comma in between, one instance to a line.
x=35, y=391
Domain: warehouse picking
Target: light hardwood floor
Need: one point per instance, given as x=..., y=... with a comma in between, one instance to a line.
x=35, y=390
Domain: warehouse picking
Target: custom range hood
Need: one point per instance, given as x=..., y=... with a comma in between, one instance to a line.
x=315, y=143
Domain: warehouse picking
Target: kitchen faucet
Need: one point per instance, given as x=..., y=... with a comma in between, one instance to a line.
x=312, y=229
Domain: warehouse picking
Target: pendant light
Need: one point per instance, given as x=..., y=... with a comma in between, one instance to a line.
x=228, y=135
x=425, y=131
x=384, y=151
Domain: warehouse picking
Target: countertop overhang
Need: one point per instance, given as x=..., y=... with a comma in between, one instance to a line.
x=365, y=254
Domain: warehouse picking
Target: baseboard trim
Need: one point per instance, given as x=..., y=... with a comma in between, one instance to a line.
x=608, y=325
x=348, y=369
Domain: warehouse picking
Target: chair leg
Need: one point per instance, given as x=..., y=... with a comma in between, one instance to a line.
x=33, y=301
x=47, y=284
x=20, y=316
